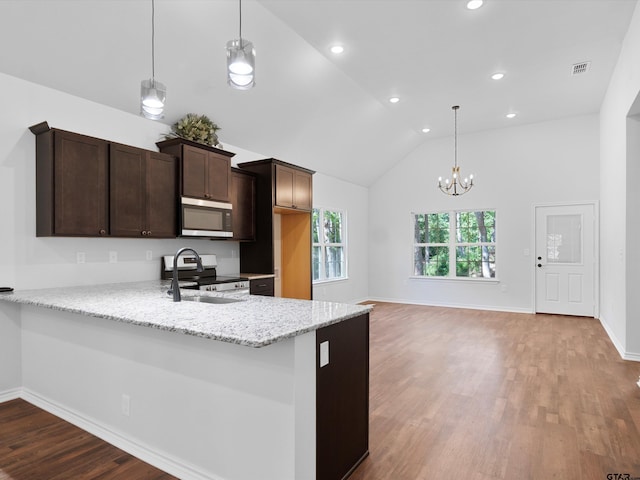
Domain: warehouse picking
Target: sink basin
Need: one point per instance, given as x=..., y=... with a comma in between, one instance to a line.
x=215, y=300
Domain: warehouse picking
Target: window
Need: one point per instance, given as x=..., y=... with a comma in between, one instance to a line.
x=329, y=247
x=455, y=244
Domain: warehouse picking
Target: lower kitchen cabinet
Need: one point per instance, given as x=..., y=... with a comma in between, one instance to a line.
x=262, y=286
x=342, y=397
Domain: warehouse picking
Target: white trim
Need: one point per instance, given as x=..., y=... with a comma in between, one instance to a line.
x=633, y=357
x=161, y=460
x=11, y=394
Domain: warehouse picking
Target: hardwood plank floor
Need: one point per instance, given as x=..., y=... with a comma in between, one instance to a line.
x=35, y=445
x=490, y=395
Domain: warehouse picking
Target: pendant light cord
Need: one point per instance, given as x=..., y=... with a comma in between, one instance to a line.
x=455, y=135
x=240, y=32
x=153, y=42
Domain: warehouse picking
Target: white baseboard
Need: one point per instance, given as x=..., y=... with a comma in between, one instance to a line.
x=631, y=356
x=161, y=460
x=448, y=305
x=11, y=394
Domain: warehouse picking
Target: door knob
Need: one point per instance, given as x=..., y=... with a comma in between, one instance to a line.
x=539, y=258
x=539, y=265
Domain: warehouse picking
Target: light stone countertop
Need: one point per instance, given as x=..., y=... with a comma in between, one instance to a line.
x=256, y=321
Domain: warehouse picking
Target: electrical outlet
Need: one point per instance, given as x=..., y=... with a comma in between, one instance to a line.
x=503, y=288
x=113, y=257
x=80, y=257
x=234, y=253
x=126, y=405
x=149, y=255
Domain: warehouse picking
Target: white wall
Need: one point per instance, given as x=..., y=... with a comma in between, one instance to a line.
x=619, y=281
x=331, y=193
x=515, y=168
x=10, y=352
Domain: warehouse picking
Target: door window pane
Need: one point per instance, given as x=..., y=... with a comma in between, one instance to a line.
x=564, y=239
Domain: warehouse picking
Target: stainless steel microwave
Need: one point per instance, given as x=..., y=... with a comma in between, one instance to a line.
x=204, y=218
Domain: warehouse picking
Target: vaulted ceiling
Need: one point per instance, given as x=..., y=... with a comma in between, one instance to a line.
x=310, y=107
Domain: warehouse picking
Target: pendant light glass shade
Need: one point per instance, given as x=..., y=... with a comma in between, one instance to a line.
x=152, y=97
x=241, y=60
x=152, y=93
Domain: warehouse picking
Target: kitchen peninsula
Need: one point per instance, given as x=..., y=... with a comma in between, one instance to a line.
x=244, y=390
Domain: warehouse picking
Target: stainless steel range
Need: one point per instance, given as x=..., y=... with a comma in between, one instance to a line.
x=207, y=280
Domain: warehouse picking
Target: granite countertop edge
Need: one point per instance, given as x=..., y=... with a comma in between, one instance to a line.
x=243, y=323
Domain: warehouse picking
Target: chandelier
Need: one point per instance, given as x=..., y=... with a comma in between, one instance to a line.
x=455, y=186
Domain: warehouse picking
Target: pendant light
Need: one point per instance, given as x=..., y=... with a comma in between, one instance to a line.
x=152, y=93
x=455, y=186
x=241, y=61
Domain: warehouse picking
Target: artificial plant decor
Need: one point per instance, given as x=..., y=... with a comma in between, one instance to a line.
x=198, y=128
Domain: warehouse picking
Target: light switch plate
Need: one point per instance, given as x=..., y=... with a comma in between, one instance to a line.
x=324, y=354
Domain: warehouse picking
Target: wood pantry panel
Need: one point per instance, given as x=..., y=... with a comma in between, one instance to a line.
x=296, y=255
x=80, y=179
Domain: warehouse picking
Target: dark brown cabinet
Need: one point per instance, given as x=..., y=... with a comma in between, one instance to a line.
x=280, y=226
x=71, y=183
x=205, y=172
x=342, y=397
x=262, y=286
x=143, y=193
x=243, y=201
x=293, y=188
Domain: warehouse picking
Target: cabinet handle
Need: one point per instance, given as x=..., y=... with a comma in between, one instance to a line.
x=102, y=231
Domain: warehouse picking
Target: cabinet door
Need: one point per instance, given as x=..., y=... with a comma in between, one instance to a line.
x=80, y=179
x=128, y=191
x=194, y=172
x=285, y=177
x=218, y=177
x=302, y=190
x=262, y=286
x=243, y=203
x=162, y=198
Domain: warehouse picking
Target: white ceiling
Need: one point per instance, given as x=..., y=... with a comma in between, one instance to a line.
x=310, y=107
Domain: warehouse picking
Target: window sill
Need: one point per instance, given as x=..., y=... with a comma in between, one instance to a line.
x=456, y=279
x=330, y=280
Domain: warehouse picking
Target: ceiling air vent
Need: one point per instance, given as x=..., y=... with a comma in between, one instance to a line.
x=580, y=68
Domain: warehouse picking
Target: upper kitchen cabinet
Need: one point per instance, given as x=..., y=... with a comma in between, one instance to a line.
x=205, y=172
x=72, y=181
x=243, y=201
x=293, y=187
x=143, y=188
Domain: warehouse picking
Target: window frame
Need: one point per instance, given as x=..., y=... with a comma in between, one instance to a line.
x=452, y=246
x=323, y=245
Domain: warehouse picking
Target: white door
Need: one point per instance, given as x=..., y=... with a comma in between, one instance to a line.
x=565, y=259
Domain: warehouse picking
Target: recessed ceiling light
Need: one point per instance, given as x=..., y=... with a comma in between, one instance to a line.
x=394, y=99
x=426, y=130
x=510, y=115
x=497, y=76
x=474, y=4
x=337, y=49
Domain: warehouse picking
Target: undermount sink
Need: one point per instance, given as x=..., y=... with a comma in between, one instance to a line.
x=215, y=300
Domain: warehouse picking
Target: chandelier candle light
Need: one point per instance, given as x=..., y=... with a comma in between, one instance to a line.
x=152, y=93
x=241, y=61
x=455, y=186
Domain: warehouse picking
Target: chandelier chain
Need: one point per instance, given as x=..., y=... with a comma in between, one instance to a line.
x=153, y=41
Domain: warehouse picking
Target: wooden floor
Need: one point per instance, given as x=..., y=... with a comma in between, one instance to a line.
x=481, y=395
x=35, y=445
x=455, y=394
